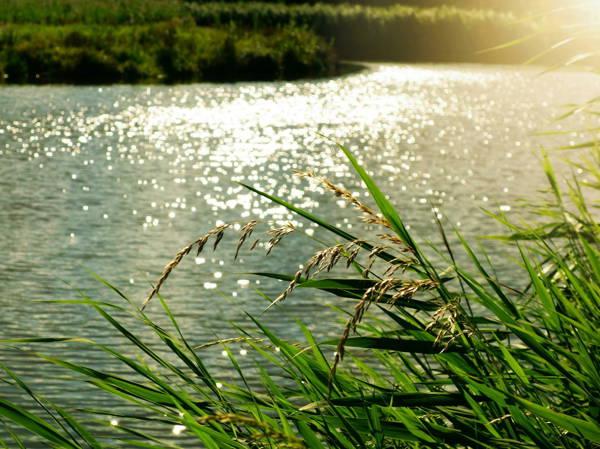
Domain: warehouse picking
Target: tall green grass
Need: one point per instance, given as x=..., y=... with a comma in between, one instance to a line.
x=114, y=12
x=408, y=32
x=501, y=5
x=397, y=32
x=433, y=353
x=110, y=12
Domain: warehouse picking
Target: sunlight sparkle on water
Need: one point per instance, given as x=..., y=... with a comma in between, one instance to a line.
x=177, y=429
x=124, y=178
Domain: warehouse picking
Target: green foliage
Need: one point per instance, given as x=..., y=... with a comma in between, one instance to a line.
x=91, y=12
x=502, y=5
x=478, y=364
x=128, y=12
x=407, y=31
x=435, y=353
x=168, y=51
x=397, y=32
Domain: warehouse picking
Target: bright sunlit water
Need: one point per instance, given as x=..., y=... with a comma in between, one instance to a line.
x=115, y=180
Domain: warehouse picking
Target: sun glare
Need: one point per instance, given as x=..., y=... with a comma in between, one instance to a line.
x=590, y=10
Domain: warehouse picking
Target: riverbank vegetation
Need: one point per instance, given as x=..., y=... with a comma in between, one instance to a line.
x=395, y=33
x=160, y=52
x=51, y=41
x=532, y=6
x=137, y=11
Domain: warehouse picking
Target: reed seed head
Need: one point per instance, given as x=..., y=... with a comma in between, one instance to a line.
x=200, y=243
x=402, y=289
x=450, y=324
x=290, y=288
x=370, y=216
x=245, y=233
x=277, y=234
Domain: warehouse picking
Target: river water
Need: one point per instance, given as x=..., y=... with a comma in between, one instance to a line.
x=115, y=180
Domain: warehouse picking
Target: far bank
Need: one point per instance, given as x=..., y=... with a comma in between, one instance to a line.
x=170, y=41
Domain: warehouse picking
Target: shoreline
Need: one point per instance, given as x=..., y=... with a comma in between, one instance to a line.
x=350, y=68
x=347, y=69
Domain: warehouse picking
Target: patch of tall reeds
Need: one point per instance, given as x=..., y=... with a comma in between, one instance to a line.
x=434, y=353
x=90, y=12
x=502, y=5
x=430, y=31
x=397, y=32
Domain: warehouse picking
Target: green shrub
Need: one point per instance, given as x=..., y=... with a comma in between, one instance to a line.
x=174, y=51
x=220, y=65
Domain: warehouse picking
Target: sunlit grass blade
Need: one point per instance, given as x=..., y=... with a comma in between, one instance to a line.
x=35, y=425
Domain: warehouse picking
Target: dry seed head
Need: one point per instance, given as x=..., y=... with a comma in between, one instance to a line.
x=392, y=269
x=376, y=293
x=314, y=261
x=217, y=232
x=167, y=271
x=408, y=289
x=370, y=216
x=290, y=288
x=352, y=255
x=245, y=233
x=372, y=257
x=376, y=251
x=391, y=238
x=353, y=250
x=384, y=286
x=200, y=243
x=447, y=313
x=450, y=324
x=324, y=260
x=277, y=234
x=396, y=241
x=376, y=219
x=331, y=257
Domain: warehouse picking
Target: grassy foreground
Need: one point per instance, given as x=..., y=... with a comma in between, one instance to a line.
x=433, y=354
